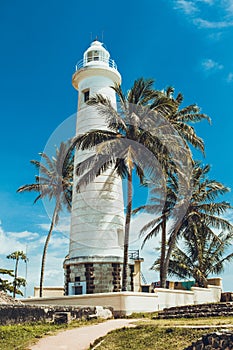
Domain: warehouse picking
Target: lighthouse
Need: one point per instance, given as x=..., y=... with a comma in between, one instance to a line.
x=94, y=262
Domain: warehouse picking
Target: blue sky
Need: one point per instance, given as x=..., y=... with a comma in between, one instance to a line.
x=186, y=44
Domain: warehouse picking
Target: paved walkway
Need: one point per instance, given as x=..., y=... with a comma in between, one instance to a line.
x=80, y=338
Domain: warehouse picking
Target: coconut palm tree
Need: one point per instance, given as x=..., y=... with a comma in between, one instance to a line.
x=203, y=214
x=55, y=183
x=17, y=282
x=159, y=224
x=126, y=146
x=201, y=256
x=179, y=119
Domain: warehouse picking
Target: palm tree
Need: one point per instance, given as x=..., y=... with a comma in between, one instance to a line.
x=180, y=117
x=201, y=256
x=203, y=213
x=126, y=146
x=17, y=255
x=159, y=224
x=54, y=182
x=179, y=120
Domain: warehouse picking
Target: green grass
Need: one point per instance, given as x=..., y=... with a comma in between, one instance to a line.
x=209, y=321
x=149, y=333
x=19, y=337
x=148, y=337
x=159, y=334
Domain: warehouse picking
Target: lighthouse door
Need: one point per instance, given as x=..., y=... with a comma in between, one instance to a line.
x=78, y=290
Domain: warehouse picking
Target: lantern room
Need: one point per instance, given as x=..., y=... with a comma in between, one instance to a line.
x=96, y=55
x=96, y=52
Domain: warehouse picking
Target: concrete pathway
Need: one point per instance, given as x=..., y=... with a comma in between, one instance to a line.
x=80, y=338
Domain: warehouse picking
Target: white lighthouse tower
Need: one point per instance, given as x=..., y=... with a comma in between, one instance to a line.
x=94, y=263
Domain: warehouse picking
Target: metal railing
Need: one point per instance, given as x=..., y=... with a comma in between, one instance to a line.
x=85, y=63
x=134, y=254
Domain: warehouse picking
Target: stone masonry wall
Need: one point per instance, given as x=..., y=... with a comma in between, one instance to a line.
x=15, y=314
x=213, y=341
x=99, y=277
x=201, y=310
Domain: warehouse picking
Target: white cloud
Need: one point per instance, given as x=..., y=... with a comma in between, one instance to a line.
x=59, y=242
x=62, y=226
x=229, y=6
x=199, y=14
x=188, y=7
x=54, y=274
x=210, y=65
x=215, y=36
x=209, y=2
x=148, y=253
x=8, y=244
x=202, y=23
x=23, y=234
x=230, y=77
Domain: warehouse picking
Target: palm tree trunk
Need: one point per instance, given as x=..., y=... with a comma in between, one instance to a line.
x=45, y=250
x=162, y=271
x=170, y=249
x=16, y=273
x=127, y=228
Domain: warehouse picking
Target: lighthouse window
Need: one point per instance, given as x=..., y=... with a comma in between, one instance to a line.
x=96, y=55
x=93, y=56
x=86, y=95
x=89, y=56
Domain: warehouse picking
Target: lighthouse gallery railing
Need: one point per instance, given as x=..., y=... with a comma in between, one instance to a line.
x=85, y=63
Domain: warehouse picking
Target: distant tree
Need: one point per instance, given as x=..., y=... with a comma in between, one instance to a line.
x=18, y=281
x=5, y=284
x=55, y=182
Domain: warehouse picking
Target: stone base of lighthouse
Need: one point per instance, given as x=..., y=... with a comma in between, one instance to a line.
x=89, y=275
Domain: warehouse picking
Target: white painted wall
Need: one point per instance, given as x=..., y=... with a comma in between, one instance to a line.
x=204, y=295
x=97, y=219
x=129, y=302
x=170, y=297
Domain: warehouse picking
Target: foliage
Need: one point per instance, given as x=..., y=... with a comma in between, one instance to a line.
x=203, y=250
x=55, y=181
x=178, y=120
x=18, y=281
x=5, y=284
x=201, y=256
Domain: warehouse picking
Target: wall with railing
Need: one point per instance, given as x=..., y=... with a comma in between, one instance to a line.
x=107, y=62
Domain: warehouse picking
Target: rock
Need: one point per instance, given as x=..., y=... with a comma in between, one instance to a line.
x=7, y=299
x=62, y=317
x=101, y=312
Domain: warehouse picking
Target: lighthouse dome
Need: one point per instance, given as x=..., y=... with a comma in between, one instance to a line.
x=96, y=54
x=96, y=62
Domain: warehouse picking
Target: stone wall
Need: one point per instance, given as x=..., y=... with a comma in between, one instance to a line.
x=15, y=314
x=201, y=310
x=93, y=277
x=213, y=341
